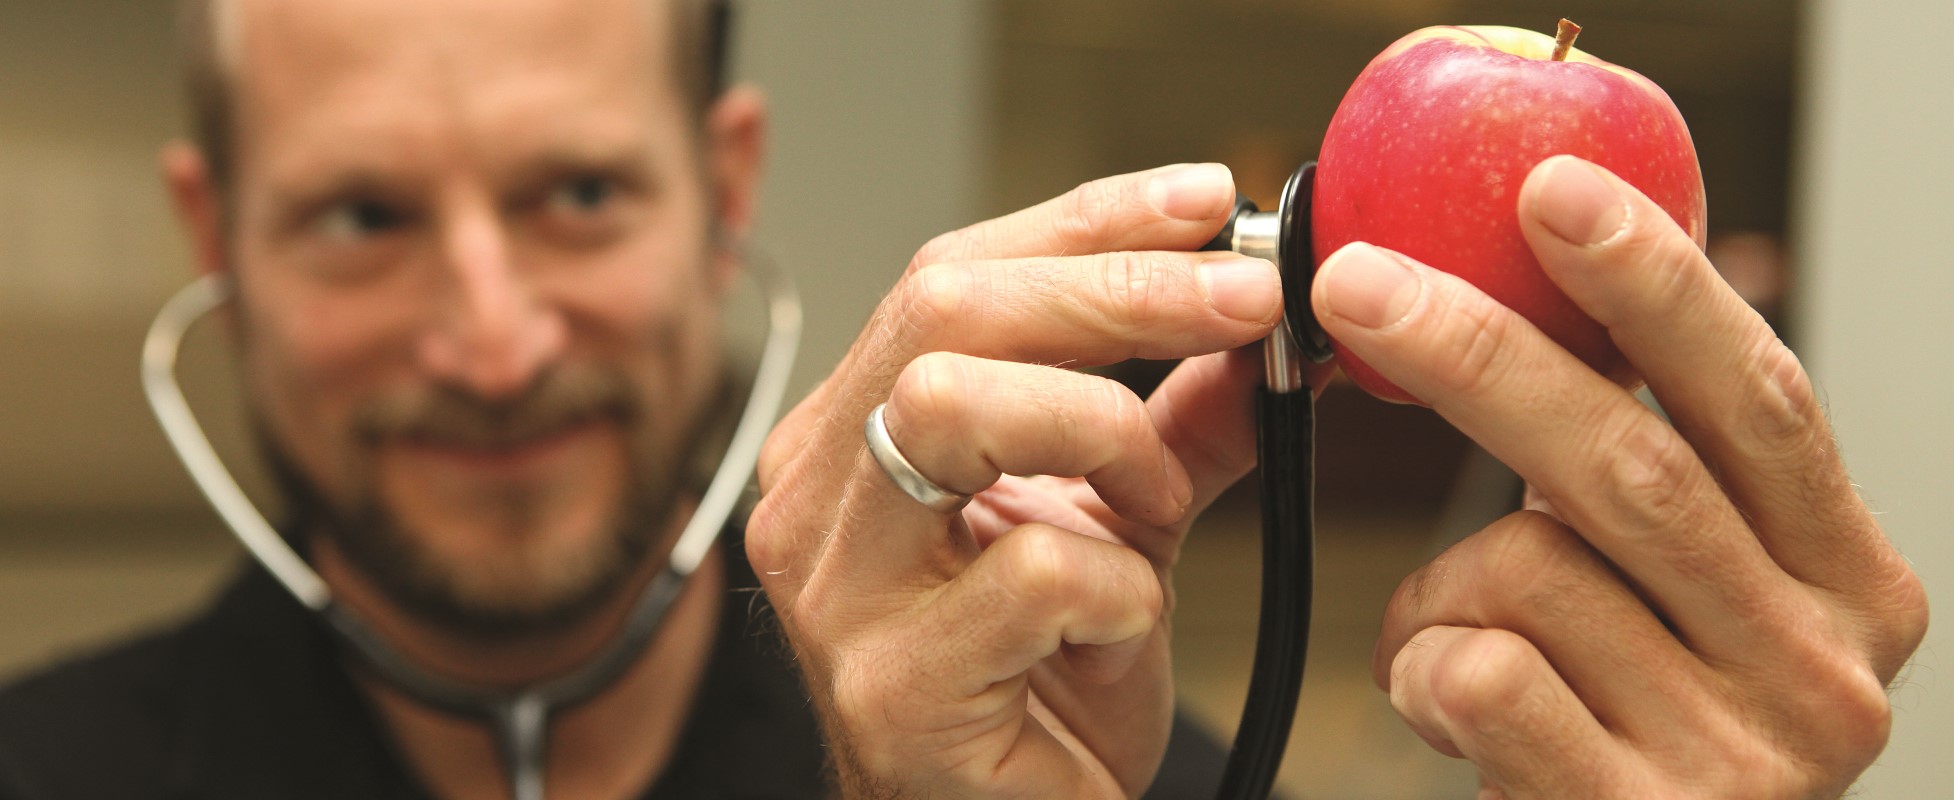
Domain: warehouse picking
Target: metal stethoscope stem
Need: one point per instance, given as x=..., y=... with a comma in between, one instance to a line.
x=519, y=718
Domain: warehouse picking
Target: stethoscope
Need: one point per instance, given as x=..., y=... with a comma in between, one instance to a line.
x=519, y=718
x=1285, y=419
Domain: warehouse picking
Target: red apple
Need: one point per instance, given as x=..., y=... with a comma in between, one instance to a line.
x=1426, y=154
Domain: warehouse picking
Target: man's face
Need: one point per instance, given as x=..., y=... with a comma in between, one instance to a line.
x=479, y=297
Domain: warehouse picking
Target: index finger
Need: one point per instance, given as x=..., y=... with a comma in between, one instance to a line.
x=1617, y=473
x=1724, y=377
x=1176, y=207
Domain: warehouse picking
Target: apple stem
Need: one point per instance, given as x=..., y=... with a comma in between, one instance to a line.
x=1564, y=38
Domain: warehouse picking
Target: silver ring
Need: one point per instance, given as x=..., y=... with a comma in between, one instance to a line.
x=904, y=474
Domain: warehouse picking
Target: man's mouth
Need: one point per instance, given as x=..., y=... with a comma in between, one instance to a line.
x=507, y=455
x=568, y=410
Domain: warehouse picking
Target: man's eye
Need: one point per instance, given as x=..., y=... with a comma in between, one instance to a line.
x=360, y=219
x=582, y=195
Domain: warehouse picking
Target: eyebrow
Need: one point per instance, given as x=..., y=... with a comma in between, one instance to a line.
x=298, y=192
x=631, y=164
x=295, y=201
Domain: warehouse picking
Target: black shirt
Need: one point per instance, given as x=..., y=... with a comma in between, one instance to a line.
x=251, y=700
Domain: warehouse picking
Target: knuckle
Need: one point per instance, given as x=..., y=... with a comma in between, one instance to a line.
x=1475, y=341
x=1844, y=714
x=1427, y=585
x=1785, y=414
x=1905, y=627
x=1740, y=764
x=1054, y=575
x=1486, y=679
x=1424, y=588
x=775, y=447
x=785, y=447
x=1132, y=423
x=1042, y=565
x=1672, y=266
x=775, y=453
x=1653, y=477
x=932, y=296
x=764, y=540
x=945, y=247
x=1864, y=717
x=1409, y=610
x=1826, y=711
x=1136, y=288
x=1085, y=211
x=933, y=386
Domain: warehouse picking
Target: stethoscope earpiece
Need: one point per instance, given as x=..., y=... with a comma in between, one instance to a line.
x=519, y=718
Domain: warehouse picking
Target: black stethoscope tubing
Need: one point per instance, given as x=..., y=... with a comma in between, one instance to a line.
x=1285, y=451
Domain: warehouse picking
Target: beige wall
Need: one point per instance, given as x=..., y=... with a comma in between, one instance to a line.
x=881, y=140
x=87, y=92
x=1876, y=195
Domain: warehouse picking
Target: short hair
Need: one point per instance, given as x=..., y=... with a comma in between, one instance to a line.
x=700, y=33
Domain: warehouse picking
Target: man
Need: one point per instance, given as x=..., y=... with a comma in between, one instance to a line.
x=478, y=249
x=479, y=252
x=478, y=267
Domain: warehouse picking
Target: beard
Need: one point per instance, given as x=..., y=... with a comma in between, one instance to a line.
x=532, y=585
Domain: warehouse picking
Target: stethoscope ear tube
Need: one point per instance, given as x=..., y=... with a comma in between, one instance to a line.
x=1285, y=449
x=206, y=468
x=519, y=718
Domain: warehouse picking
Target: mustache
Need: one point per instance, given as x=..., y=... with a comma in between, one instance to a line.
x=560, y=398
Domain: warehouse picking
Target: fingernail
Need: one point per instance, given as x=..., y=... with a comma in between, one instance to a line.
x=1367, y=286
x=1247, y=289
x=1193, y=191
x=1578, y=204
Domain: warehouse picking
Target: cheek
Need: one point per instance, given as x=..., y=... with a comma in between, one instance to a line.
x=658, y=318
x=649, y=290
x=310, y=359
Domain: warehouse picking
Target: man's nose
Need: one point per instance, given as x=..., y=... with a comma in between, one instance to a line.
x=493, y=332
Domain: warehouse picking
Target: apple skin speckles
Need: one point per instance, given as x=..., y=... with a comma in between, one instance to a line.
x=1427, y=152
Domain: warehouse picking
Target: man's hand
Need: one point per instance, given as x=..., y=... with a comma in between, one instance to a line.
x=1017, y=648
x=1703, y=610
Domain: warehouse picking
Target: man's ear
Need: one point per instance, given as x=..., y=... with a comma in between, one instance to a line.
x=736, y=135
x=198, y=203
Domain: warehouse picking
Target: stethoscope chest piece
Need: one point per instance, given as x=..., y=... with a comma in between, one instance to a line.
x=1282, y=236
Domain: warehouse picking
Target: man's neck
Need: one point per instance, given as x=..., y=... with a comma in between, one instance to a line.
x=612, y=745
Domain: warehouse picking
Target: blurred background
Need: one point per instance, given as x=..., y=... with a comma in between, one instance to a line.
x=1824, y=133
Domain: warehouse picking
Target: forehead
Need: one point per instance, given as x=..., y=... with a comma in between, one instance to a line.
x=311, y=74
